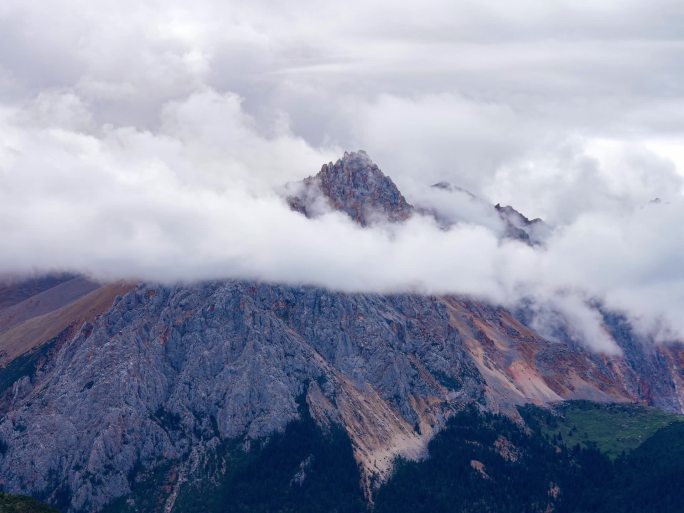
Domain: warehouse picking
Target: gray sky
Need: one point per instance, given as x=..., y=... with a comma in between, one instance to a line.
x=144, y=139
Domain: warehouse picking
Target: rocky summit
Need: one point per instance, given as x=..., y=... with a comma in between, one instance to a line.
x=134, y=396
x=356, y=186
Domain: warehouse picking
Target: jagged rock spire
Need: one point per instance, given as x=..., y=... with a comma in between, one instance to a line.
x=356, y=186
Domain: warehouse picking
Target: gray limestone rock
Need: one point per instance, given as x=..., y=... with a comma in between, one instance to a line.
x=167, y=370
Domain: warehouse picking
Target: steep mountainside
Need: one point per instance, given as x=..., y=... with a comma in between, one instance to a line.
x=35, y=310
x=227, y=360
x=107, y=390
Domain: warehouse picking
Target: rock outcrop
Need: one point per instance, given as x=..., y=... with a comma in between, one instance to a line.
x=353, y=185
x=518, y=226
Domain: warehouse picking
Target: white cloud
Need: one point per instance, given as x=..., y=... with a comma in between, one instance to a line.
x=144, y=139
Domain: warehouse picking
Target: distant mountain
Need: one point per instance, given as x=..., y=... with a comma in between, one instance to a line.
x=520, y=227
x=142, y=397
x=356, y=186
x=37, y=309
x=353, y=185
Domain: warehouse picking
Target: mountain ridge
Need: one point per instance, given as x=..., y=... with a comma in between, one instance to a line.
x=162, y=375
x=355, y=185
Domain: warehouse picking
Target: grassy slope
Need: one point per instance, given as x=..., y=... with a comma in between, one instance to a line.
x=30, y=333
x=548, y=475
x=614, y=428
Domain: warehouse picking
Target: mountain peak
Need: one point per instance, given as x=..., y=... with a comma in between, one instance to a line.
x=519, y=226
x=354, y=185
x=358, y=156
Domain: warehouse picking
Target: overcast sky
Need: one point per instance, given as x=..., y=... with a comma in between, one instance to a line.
x=144, y=139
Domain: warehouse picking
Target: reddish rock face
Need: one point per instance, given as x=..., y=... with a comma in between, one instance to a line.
x=35, y=310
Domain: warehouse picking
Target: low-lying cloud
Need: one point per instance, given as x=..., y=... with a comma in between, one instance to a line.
x=147, y=141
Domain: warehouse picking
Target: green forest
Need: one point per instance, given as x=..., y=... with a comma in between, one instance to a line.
x=577, y=457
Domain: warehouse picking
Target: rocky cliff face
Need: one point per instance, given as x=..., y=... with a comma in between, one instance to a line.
x=229, y=360
x=161, y=376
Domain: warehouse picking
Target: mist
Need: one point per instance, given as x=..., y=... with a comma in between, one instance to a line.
x=143, y=142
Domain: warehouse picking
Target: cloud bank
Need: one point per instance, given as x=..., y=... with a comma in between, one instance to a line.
x=146, y=140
